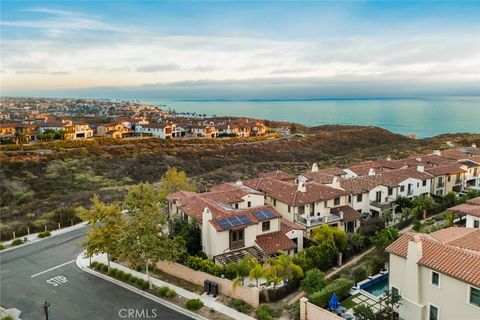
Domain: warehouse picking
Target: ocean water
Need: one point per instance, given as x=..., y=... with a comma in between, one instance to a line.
x=423, y=117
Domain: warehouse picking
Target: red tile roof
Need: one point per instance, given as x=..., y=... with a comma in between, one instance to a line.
x=287, y=226
x=274, y=242
x=452, y=252
x=471, y=207
x=349, y=214
x=444, y=170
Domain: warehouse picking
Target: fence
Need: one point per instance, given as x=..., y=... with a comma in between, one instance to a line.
x=250, y=295
x=309, y=311
x=273, y=295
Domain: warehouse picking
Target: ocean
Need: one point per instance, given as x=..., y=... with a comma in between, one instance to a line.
x=424, y=117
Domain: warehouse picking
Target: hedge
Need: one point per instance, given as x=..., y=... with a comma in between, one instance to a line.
x=16, y=242
x=205, y=265
x=340, y=286
x=44, y=234
x=166, y=292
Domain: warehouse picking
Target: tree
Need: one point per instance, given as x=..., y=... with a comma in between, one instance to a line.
x=314, y=281
x=407, y=213
x=144, y=237
x=403, y=202
x=242, y=270
x=321, y=256
x=370, y=227
x=286, y=268
x=385, y=237
x=363, y=312
x=336, y=236
x=191, y=233
x=107, y=224
x=173, y=181
x=449, y=200
x=424, y=204
x=256, y=272
x=392, y=300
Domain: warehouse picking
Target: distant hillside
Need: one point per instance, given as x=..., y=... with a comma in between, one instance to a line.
x=62, y=174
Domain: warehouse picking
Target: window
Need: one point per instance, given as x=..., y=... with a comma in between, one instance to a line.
x=378, y=196
x=349, y=198
x=325, y=204
x=402, y=188
x=301, y=210
x=449, y=178
x=336, y=201
x=474, y=297
x=249, y=204
x=274, y=202
x=424, y=183
x=289, y=209
x=435, y=279
x=476, y=223
x=236, y=239
x=312, y=209
x=265, y=225
x=433, y=313
x=236, y=205
x=359, y=197
x=390, y=191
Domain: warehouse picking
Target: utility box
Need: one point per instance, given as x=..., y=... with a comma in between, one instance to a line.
x=207, y=286
x=214, y=289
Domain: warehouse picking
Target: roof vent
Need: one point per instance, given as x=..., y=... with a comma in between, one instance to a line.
x=314, y=167
x=302, y=186
x=389, y=158
x=239, y=183
x=371, y=172
x=421, y=168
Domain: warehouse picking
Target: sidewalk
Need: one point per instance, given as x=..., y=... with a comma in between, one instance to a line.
x=32, y=238
x=208, y=301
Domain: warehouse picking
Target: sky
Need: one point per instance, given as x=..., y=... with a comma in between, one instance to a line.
x=240, y=49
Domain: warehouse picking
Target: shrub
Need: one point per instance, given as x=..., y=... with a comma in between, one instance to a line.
x=113, y=272
x=139, y=282
x=359, y=274
x=16, y=242
x=2, y=247
x=170, y=293
x=194, y=304
x=104, y=267
x=205, y=265
x=264, y=312
x=139, y=268
x=7, y=318
x=241, y=306
x=314, y=281
x=93, y=264
x=375, y=265
x=133, y=279
x=340, y=286
x=44, y=234
x=119, y=275
x=145, y=285
x=162, y=291
x=126, y=276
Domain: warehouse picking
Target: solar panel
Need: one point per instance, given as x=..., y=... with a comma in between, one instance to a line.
x=231, y=222
x=264, y=214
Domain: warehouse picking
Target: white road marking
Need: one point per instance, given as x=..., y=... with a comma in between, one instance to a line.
x=68, y=239
x=56, y=267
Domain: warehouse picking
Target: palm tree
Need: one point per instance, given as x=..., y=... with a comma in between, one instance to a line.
x=272, y=274
x=242, y=270
x=256, y=272
x=286, y=268
x=337, y=237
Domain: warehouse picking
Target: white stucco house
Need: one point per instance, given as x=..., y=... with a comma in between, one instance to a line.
x=471, y=209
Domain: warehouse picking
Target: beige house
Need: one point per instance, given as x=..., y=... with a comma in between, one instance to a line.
x=437, y=275
x=446, y=179
x=114, y=130
x=158, y=130
x=236, y=223
x=471, y=209
x=307, y=203
x=71, y=130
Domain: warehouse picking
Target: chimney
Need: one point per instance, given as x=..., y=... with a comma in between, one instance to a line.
x=420, y=168
x=474, y=145
x=371, y=172
x=437, y=152
x=335, y=183
x=239, y=183
x=418, y=159
x=314, y=167
x=301, y=186
x=389, y=158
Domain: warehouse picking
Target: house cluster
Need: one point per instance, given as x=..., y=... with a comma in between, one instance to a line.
x=273, y=212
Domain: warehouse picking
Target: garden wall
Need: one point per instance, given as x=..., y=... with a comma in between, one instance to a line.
x=309, y=311
x=250, y=295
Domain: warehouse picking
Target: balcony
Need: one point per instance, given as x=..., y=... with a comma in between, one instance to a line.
x=315, y=221
x=440, y=184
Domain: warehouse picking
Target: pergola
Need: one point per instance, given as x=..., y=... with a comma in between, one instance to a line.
x=237, y=255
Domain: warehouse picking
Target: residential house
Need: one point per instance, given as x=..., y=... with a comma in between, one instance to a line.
x=204, y=131
x=437, y=275
x=158, y=130
x=114, y=130
x=71, y=130
x=447, y=178
x=471, y=209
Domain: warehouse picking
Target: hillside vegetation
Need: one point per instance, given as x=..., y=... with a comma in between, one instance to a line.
x=44, y=182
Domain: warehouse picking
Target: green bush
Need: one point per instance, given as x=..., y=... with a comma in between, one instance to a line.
x=145, y=285
x=264, y=312
x=119, y=274
x=170, y=293
x=44, y=234
x=133, y=279
x=7, y=318
x=113, y=272
x=126, y=277
x=359, y=274
x=162, y=291
x=205, y=265
x=241, y=306
x=194, y=304
x=314, y=281
x=16, y=242
x=2, y=247
x=340, y=286
x=93, y=264
x=139, y=282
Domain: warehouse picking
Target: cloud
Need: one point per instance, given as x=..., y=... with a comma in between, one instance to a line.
x=158, y=67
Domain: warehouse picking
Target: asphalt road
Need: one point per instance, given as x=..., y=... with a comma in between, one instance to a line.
x=46, y=270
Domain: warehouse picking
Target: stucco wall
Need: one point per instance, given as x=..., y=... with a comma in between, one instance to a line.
x=309, y=311
x=248, y=294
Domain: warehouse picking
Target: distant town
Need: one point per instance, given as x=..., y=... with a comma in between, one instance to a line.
x=25, y=120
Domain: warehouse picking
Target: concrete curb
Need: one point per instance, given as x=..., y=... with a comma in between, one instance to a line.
x=79, y=261
x=33, y=238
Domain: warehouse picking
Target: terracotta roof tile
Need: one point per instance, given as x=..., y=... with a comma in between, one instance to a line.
x=349, y=214
x=273, y=242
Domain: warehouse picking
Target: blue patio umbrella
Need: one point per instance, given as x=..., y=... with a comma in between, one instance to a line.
x=333, y=304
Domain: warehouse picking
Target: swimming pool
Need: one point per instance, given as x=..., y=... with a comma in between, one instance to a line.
x=376, y=286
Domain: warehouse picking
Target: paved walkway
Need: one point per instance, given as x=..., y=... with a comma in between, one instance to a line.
x=208, y=301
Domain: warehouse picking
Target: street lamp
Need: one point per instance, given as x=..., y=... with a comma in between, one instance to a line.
x=45, y=306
